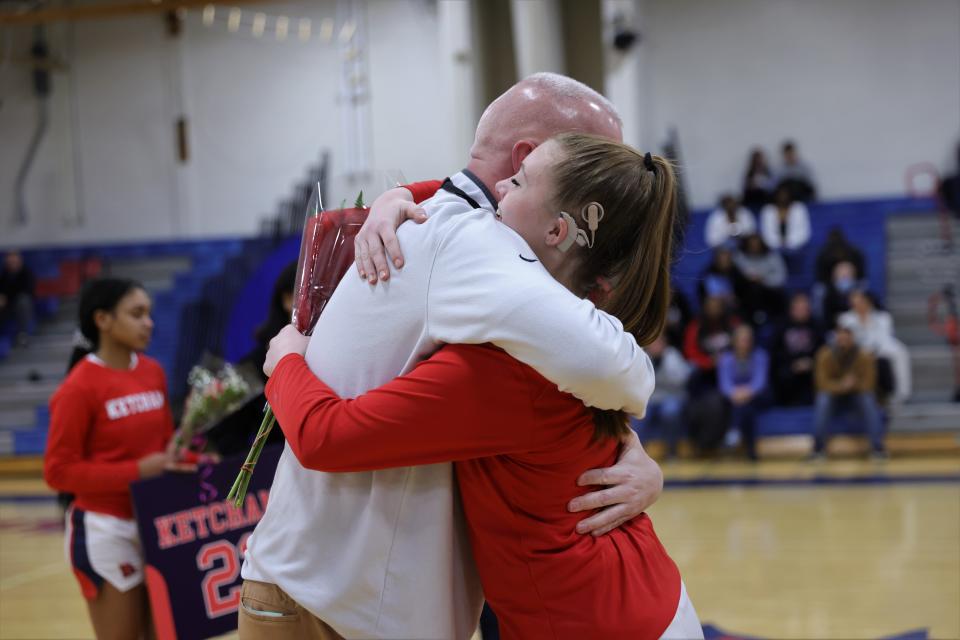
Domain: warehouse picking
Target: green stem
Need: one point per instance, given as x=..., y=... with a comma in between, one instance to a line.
x=239, y=490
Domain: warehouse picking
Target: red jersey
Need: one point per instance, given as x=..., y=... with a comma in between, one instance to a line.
x=102, y=421
x=519, y=446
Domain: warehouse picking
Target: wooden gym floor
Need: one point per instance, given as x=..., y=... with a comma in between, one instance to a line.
x=779, y=549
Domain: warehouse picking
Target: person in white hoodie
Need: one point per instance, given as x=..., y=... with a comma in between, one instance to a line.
x=785, y=224
x=873, y=329
x=729, y=221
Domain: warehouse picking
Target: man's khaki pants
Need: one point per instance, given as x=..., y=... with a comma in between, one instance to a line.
x=267, y=613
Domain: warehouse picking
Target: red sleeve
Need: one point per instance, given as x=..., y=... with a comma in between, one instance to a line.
x=423, y=190
x=167, y=409
x=692, y=350
x=463, y=402
x=64, y=466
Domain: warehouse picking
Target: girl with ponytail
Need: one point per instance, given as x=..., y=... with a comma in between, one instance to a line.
x=110, y=424
x=599, y=217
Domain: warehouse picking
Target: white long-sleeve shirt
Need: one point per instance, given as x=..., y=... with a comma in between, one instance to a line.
x=384, y=554
x=798, y=227
x=719, y=229
x=873, y=333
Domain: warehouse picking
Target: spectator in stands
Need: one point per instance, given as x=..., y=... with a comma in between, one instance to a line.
x=950, y=189
x=765, y=275
x=795, y=175
x=742, y=374
x=845, y=376
x=16, y=295
x=666, y=405
x=794, y=347
x=722, y=279
x=835, y=250
x=836, y=299
x=758, y=181
x=873, y=329
x=678, y=317
x=785, y=224
x=278, y=316
x=729, y=221
x=708, y=335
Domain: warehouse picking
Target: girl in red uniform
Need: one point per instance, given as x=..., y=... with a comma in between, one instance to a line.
x=110, y=424
x=593, y=211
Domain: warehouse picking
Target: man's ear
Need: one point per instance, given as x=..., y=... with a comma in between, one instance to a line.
x=556, y=232
x=520, y=151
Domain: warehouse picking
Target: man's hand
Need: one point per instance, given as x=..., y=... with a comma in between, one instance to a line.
x=633, y=484
x=849, y=383
x=377, y=239
x=742, y=395
x=288, y=341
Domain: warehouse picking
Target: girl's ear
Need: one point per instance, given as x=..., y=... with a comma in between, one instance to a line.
x=103, y=319
x=556, y=232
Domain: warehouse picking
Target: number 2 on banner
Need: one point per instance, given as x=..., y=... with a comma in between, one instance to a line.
x=217, y=604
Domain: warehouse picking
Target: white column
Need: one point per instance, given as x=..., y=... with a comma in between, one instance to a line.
x=625, y=77
x=537, y=36
x=459, y=74
x=350, y=34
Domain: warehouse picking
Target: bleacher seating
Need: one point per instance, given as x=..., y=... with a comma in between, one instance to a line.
x=61, y=271
x=862, y=221
x=215, y=303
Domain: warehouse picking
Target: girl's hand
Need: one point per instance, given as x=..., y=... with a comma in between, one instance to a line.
x=376, y=245
x=288, y=341
x=153, y=464
x=631, y=486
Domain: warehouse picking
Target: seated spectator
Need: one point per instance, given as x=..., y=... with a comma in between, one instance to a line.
x=785, y=224
x=836, y=297
x=794, y=347
x=795, y=175
x=729, y=221
x=835, y=250
x=708, y=335
x=16, y=295
x=666, y=405
x=742, y=374
x=845, y=376
x=758, y=181
x=873, y=329
x=722, y=279
x=678, y=317
x=765, y=274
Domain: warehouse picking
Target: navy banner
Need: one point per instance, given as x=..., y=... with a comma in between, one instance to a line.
x=194, y=541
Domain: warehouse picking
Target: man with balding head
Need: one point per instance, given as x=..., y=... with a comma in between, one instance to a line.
x=512, y=126
x=384, y=554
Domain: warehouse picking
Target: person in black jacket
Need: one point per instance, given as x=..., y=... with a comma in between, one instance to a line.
x=723, y=279
x=234, y=433
x=835, y=250
x=16, y=295
x=794, y=347
x=949, y=190
x=757, y=181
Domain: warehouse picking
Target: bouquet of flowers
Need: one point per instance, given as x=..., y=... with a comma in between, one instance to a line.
x=326, y=252
x=216, y=390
